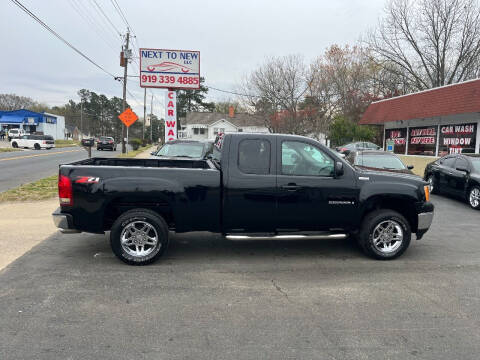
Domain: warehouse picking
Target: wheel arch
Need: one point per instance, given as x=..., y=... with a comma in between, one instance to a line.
x=403, y=204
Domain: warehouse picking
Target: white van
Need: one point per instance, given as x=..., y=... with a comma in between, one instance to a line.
x=15, y=133
x=36, y=142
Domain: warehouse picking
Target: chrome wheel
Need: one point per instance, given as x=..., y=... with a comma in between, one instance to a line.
x=387, y=236
x=474, y=197
x=430, y=184
x=139, y=238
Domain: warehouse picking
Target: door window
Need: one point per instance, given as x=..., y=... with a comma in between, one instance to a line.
x=254, y=156
x=461, y=163
x=302, y=159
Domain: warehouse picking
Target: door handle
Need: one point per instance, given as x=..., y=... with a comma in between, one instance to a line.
x=291, y=187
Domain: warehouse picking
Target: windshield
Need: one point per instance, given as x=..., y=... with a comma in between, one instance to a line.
x=380, y=162
x=476, y=164
x=191, y=150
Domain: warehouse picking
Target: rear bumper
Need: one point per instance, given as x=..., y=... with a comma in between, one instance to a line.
x=64, y=222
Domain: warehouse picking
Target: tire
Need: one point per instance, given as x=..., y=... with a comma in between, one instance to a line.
x=372, y=225
x=36, y=147
x=14, y=145
x=98, y=149
x=473, y=197
x=432, y=184
x=139, y=218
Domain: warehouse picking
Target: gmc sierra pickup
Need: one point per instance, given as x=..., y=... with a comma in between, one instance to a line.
x=262, y=185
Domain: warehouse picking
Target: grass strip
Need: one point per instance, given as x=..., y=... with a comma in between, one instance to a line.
x=133, y=153
x=66, y=143
x=42, y=189
x=8, y=150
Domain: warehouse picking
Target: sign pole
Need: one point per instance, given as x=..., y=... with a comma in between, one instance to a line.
x=126, y=145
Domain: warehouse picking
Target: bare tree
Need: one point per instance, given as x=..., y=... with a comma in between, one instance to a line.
x=277, y=88
x=14, y=102
x=429, y=42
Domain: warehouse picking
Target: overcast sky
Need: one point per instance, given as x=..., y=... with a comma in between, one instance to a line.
x=233, y=37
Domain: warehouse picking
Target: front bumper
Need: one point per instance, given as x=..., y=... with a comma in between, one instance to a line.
x=64, y=222
x=425, y=217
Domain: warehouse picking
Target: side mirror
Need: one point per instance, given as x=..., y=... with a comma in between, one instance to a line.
x=338, y=169
x=410, y=167
x=152, y=153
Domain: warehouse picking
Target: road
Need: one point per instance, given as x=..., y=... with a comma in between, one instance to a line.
x=209, y=298
x=20, y=167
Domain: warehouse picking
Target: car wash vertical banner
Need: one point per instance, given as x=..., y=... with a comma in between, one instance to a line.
x=170, y=115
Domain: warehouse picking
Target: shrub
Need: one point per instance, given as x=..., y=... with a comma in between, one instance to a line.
x=135, y=143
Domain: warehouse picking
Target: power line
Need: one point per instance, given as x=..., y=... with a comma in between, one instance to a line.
x=58, y=36
x=106, y=17
x=89, y=22
x=232, y=92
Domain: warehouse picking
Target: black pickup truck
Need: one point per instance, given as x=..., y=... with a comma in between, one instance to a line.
x=262, y=185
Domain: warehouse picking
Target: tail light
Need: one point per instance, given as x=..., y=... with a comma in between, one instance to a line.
x=65, y=192
x=44, y=142
x=343, y=149
x=110, y=142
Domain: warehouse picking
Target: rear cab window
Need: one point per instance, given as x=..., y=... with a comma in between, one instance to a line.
x=254, y=156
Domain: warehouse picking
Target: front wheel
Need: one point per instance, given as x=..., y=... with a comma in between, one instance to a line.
x=385, y=234
x=432, y=185
x=14, y=145
x=139, y=237
x=36, y=147
x=474, y=197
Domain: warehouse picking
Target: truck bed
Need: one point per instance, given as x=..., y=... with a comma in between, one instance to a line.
x=156, y=163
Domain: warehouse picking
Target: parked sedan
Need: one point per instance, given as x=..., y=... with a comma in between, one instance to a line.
x=357, y=146
x=457, y=175
x=106, y=142
x=190, y=149
x=378, y=160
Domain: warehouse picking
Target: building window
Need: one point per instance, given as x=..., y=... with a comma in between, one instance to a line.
x=399, y=137
x=254, y=157
x=196, y=131
x=240, y=130
x=203, y=131
x=422, y=141
x=457, y=139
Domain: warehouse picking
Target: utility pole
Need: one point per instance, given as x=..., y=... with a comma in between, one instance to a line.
x=81, y=118
x=151, y=120
x=144, y=112
x=125, y=73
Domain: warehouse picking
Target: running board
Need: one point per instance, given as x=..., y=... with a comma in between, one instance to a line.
x=287, y=237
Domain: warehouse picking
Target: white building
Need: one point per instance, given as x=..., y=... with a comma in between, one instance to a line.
x=206, y=125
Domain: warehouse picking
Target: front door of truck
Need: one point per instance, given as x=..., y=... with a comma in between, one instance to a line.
x=310, y=197
x=250, y=186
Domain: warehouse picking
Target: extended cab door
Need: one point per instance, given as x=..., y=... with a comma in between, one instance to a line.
x=249, y=184
x=310, y=197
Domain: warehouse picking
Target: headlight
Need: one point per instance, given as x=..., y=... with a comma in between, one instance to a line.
x=426, y=189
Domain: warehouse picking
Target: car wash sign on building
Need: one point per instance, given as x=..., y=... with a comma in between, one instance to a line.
x=169, y=69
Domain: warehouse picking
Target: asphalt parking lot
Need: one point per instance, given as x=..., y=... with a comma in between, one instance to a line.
x=70, y=298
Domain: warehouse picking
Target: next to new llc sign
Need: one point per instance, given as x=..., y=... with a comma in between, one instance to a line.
x=171, y=69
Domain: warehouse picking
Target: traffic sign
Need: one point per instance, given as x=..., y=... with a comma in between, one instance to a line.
x=170, y=69
x=128, y=117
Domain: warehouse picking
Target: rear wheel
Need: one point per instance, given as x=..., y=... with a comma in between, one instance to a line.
x=36, y=146
x=139, y=237
x=474, y=197
x=385, y=234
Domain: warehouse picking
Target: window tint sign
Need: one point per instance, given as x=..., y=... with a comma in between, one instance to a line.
x=457, y=139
